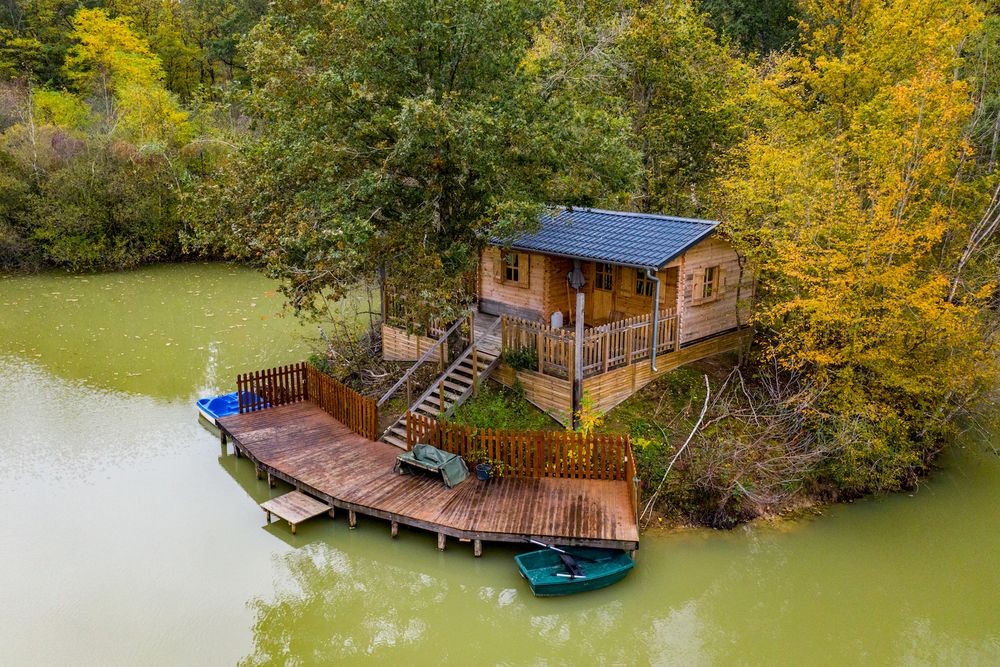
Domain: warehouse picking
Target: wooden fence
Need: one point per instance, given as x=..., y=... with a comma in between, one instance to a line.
x=303, y=381
x=359, y=413
x=562, y=454
x=271, y=387
x=605, y=348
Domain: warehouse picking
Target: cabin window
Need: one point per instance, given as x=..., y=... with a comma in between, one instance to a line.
x=643, y=285
x=709, y=284
x=604, y=276
x=512, y=269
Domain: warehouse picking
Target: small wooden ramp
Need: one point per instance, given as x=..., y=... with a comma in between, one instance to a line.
x=294, y=507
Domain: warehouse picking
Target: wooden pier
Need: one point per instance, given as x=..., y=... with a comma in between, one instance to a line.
x=302, y=444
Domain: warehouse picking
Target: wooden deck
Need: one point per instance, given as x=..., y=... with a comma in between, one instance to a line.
x=304, y=446
x=294, y=507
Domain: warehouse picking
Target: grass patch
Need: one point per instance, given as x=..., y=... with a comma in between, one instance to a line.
x=497, y=406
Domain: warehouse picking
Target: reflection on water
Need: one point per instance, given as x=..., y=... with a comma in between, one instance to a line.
x=131, y=538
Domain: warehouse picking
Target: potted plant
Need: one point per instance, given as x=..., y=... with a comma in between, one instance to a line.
x=487, y=468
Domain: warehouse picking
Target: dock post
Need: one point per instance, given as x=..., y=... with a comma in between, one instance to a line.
x=267, y=515
x=260, y=473
x=477, y=548
x=394, y=529
x=270, y=480
x=441, y=539
x=332, y=512
x=222, y=437
x=352, y=519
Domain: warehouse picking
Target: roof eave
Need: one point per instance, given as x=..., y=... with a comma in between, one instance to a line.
x=631, y=265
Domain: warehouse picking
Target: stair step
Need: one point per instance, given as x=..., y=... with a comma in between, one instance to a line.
x=460, y=387
x=395, y=440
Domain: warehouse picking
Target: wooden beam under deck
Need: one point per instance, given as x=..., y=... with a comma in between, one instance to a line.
x=302, y=445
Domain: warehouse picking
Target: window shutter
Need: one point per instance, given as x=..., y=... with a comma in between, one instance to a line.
x=698, y=286
x=498, y=265
x=721, y=291
x=524, y=270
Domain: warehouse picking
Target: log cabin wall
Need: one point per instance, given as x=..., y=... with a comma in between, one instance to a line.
x=498, y=296
x=701, y=316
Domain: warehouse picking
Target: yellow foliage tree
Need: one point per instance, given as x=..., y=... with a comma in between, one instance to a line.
x=110, y=61
x=853, y=198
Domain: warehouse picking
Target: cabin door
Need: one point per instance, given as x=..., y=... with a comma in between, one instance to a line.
x=604, y=292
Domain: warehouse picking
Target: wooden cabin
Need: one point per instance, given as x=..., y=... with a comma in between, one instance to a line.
x=577, y=300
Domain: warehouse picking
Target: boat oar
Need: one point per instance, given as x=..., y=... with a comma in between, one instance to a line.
x=563, y=551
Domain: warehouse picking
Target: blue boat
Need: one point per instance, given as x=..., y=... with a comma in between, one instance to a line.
x=563, y=571
x=221, y=406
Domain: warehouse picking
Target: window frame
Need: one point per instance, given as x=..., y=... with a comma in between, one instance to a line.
x=512, y=268
x=604, y=276
x=643, y=285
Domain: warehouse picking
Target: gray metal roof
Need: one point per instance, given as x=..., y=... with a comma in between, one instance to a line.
x=633, y=239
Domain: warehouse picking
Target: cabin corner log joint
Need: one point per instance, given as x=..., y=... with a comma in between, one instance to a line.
x=603, y=302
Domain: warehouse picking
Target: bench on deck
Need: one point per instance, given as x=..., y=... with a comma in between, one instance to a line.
x=430, y=459
x=294, y=507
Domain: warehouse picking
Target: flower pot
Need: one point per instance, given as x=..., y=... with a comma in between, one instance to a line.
x=483, y=471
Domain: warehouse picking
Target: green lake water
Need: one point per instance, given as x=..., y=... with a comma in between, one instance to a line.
x=130, y=538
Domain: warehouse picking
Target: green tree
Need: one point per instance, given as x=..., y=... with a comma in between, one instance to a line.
x=401, y=134
x=759, y=26
x=659, y=65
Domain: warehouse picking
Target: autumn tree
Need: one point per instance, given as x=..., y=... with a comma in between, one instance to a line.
x=855, y=197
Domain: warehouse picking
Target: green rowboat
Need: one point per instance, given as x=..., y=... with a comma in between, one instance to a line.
x=550, y=573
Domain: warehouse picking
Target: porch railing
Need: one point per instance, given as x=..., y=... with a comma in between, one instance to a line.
x=607, y=347
x=273, y=387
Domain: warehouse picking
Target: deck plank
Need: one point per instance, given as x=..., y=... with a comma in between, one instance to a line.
x=310, y=448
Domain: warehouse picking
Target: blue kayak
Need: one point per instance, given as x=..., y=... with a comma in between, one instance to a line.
x=573, y=569
x=222, y=406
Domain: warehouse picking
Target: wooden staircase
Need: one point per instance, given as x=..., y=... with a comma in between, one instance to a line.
x=447, y=392
x=455, y=384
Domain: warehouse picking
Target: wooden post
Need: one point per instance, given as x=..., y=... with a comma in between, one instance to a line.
x=352, y=519
x=260, y=473
x=332, y=512
x=292, y=526
x=540, y=349
x=441, y=354
x=267, y=515
x=394, y=529
x=578, y=359
x=441, y=539
x=475, y=369
x=409, y=391
x=222, y=437
x=604, y=344
x=270, y=480
x=477, y=548
x=441, y=393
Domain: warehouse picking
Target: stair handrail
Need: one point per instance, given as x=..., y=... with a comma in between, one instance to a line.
x=455, y=364
x=424, y=357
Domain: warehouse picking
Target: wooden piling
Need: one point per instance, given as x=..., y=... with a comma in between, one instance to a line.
x=441, y=539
